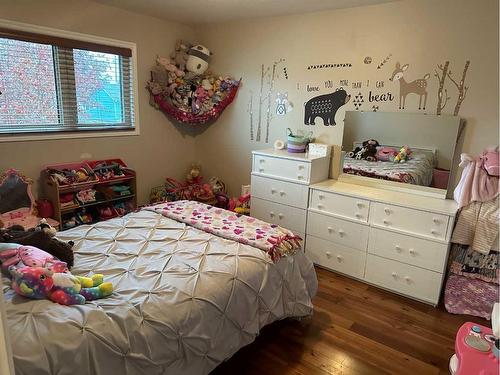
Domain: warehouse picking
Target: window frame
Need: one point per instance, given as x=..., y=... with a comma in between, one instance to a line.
x=106, y=131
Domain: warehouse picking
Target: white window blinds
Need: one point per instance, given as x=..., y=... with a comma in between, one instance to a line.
x=46, y=85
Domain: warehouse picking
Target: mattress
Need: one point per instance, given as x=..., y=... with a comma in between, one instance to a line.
x=184, y=301
x=417, y=170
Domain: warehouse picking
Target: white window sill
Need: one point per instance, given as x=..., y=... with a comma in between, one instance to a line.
x=68, y=135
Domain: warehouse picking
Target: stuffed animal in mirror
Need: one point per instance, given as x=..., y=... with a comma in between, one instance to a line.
x=199, y=57
x=367, y=151
x=403, y=155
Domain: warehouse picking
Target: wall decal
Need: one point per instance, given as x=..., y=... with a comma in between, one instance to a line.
x=329, y=66
x=379, y=84
x=325, y=106
x=269, y=115
x=328, y=84
x=283, y=105
x=285, y=72
x=263, y=73
x=312, y=88
x=358, y=101
x=356, y=85
x=382, y=63
x=462, y=89
x=387, y=97
x=441, y=79
x=374, y=108
x=344, y=82
x=418, y=86
x=250, y=113
x=367, y=60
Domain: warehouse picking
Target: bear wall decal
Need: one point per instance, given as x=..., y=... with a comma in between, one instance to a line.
x=325, y=106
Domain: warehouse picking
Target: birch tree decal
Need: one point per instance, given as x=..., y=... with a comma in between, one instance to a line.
x=462, y=89
x=441, y=78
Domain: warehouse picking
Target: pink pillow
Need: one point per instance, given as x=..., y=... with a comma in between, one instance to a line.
x=385, y=153
x=489, y=161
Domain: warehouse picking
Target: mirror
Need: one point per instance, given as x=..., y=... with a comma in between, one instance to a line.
x=15, y=192
x=418, y=150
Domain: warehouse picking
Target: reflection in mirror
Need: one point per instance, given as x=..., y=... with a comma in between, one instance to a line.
x=15, y=192
x=414, y=149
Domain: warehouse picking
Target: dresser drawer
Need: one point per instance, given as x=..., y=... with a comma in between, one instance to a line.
x=285, y=216
x=336, y=257
x=278, y=191
x=419, y=252
x=286, y=168
x=340, y=231
x=341, y=205
x=409, y=220
x=403, y=278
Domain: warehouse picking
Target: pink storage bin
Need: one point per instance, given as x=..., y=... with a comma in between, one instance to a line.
x=440, y=178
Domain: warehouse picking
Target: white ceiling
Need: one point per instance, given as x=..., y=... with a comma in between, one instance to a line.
x=211, y=11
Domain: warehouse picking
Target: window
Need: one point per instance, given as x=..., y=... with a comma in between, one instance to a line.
x=51, y=84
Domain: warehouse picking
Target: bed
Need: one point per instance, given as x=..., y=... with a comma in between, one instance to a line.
x=417, y=170
x=184, y=301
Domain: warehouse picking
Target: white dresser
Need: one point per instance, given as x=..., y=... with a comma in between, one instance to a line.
x=280, y=186
x=396, y=240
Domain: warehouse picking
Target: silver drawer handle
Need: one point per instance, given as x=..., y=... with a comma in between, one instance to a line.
x=387, y=211
x=358, y=215
x=435, y=232
x=408, y=279
x=330, y=229
x=359, y=204
x=262, y=160
x=300, y=177
x=341, y=232
x=436, y=220
x=273, y=190
x=261, y=169
x=280, y=216
x=282, y=192
x=394, y=275
x=412, y=252
x=386, y=222
x=328, y=254
x=321, y=196
x=398, y=248
x=301, y=167
x=320, y=206
x=271, y=213
x=339, y=258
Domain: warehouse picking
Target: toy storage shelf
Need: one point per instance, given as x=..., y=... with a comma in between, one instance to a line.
x=54, y=190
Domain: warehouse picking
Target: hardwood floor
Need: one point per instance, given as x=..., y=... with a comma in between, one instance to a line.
x=355, y=329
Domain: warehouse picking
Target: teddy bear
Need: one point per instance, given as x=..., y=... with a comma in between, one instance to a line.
x=367, y=151
x=198, y=59
x=61, y=287
x=180, y=54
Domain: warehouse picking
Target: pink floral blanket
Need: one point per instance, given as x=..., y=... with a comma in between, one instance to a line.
x=271, y=238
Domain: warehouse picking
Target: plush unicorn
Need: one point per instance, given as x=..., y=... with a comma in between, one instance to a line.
x=60, y=287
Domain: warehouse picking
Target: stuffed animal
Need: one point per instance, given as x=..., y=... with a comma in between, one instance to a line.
x=41, y=240
x=386, y=153
x=403, y=155
x=61, y=287
x=197, y=62
x=44, y=226
x=180, y=55
x=367, y=151
x=194, y=175
x=240, y=205
x=12, y=254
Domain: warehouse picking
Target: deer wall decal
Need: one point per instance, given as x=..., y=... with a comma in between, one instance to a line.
x=418, y=86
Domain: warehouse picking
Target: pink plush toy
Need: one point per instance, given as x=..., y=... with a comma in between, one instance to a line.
x=19, y=255
x=385, y=153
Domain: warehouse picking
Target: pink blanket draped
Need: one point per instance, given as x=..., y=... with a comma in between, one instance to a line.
x=475, y=185
x=271, y=238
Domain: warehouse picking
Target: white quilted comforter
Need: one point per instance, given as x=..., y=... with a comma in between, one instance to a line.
x=185, y=301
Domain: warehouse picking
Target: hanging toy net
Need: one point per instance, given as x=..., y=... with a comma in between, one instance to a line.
x=186, y=92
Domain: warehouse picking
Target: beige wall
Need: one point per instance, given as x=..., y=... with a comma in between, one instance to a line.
x=422, y=33
x=160, y=150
